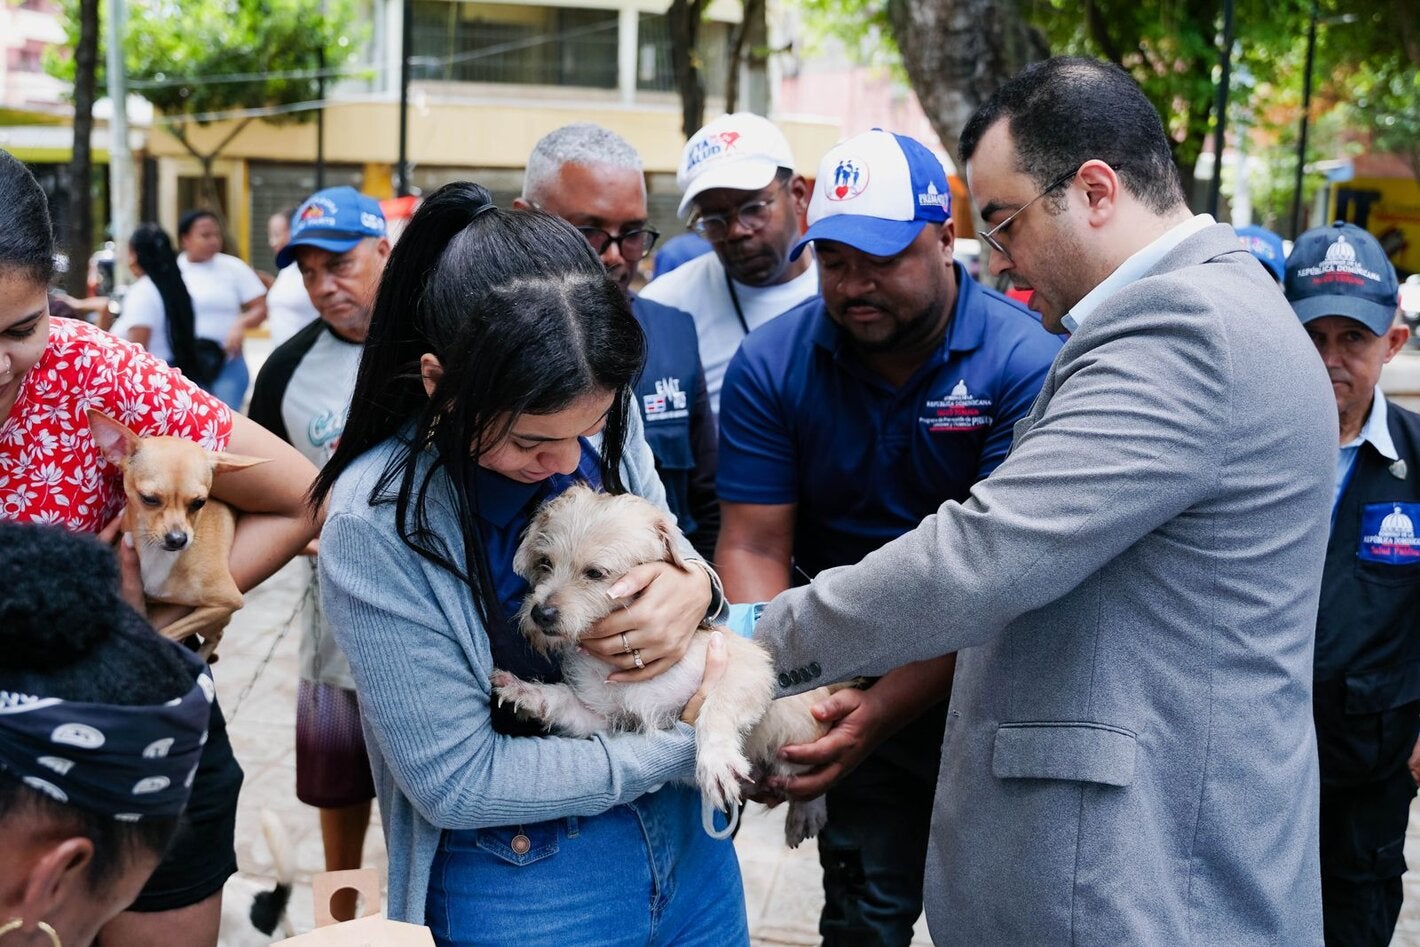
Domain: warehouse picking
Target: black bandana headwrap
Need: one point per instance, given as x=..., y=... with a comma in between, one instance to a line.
x=129, y=762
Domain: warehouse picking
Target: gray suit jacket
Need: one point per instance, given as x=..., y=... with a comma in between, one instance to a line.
x=1129, y=755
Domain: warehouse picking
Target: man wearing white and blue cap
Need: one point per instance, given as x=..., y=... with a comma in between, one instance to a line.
x=302, y=395
x=843, y=423
x=1366, y=688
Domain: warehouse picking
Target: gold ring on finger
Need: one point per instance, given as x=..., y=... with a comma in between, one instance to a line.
x=636, y=656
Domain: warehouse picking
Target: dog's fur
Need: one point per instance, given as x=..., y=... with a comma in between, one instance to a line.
x=575, y=548
x=183, y=536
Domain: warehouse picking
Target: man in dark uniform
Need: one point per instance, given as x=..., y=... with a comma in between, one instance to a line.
x=1367, y=676
x=592, y=178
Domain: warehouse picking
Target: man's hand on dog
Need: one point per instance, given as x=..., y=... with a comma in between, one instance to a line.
x=856, y=722
x=665, y=606
x=717, y=658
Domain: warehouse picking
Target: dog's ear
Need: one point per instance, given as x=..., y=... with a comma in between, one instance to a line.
x=524, y=559
x=223, y=462
x=670, y=539
x=113, y=439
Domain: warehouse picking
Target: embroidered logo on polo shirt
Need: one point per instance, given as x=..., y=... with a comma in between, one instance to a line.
x=960, y=410
x=668, y=403
x=1388, y=533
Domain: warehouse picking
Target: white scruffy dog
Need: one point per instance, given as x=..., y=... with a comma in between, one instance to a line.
x=575, y=548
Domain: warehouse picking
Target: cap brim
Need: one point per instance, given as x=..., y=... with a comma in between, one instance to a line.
x=287, y=256
x=745, y=174
x=1375, y=316
x=872, y=235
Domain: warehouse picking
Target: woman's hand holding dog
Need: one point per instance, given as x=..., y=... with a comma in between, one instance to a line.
x=130, y=581
x=666, y=605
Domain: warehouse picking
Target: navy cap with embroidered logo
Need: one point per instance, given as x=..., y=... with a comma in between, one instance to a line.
x=334, y=219
x=875, y=192
x=1341, y=270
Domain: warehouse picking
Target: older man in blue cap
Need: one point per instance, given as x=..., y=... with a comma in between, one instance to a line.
x=844, y=422
x=302, y=394
x=1367, y=660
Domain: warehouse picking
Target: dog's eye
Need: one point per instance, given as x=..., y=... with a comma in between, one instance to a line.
x=147, y=500
x=197, y=504
x=544, y=564
x=595, y=574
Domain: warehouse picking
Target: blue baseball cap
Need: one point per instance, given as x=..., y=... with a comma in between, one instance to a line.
x=1341, y=270
x=1267, y=247
x=875, y=192
x=334, y=219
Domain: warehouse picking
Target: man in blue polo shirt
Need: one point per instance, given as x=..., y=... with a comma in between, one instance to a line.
x=843, y=423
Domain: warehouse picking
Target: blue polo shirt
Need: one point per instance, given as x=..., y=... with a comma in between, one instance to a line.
x=803, y=421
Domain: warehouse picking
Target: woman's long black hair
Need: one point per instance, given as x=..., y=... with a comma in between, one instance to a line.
x=153, y=250
x=521, y=315
x=26, y=240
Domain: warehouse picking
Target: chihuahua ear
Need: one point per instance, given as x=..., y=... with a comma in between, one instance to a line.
x=670, y=539
x=223, y=462
x=116, y=442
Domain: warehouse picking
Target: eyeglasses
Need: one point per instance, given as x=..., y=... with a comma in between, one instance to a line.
x=990, y=235
x=634, y=244
x=752, y=216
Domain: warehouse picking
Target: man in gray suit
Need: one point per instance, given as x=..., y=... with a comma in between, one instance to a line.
x=1129, y=754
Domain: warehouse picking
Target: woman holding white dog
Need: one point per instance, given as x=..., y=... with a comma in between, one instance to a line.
x=498, y=350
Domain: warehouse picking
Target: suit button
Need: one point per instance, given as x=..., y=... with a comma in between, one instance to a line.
x=815, y=670
x=795, y=676
x=784, y=680
x=520, y=844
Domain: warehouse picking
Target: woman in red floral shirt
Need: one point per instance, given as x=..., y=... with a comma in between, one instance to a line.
x=51, y=371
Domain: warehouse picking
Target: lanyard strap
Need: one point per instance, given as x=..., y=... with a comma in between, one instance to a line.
x=735, y=298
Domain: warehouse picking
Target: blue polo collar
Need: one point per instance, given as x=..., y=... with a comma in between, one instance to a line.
x=965, y=331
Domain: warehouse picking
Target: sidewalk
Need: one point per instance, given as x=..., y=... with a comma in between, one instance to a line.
x=256, y=684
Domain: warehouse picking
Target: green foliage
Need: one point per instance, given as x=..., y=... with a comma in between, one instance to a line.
x=175, y=48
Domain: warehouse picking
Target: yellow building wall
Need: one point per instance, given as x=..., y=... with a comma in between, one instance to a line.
x=1387, y=207
x=465, y=134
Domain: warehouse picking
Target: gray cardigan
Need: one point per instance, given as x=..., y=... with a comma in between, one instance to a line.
x=421, y=662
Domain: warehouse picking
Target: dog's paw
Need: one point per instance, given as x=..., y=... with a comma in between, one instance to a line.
x=526, y=699
x=719, y=776
x=805, y=820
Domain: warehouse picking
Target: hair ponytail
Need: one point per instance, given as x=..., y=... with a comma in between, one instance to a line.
x=154, y=252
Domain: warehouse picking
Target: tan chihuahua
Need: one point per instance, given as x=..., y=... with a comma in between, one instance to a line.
x=183, y=537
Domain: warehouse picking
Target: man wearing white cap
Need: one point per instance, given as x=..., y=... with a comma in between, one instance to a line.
x=844, y=423
x=741, y=192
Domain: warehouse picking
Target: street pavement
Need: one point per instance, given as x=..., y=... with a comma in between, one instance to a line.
x=256, y=683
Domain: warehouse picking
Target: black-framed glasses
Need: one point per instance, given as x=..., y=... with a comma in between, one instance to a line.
x=752, y=216
x=633, y=244
x=989, y=236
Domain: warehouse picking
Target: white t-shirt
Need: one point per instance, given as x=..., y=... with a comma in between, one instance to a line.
x=219, y=287
x=143, y=309
x=701, y=288
x=288, y=305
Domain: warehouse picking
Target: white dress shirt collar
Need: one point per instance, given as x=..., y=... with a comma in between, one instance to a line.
x=1134, y=268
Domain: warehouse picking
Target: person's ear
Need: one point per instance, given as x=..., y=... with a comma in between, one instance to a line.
x=522, y=203
x=430, y=370
x=799, y=188
x=1395, y=341
x=59, y=876
x=1102, y=189
x=946, y=241
x=383, y=249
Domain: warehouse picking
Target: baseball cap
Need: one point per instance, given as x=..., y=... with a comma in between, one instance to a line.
x=1267, y=247
x=742, y=151
x=875, y=192
x=1341, y=270
x=334, y=219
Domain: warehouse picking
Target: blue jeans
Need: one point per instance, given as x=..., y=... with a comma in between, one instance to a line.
x=640, y=873
x=230, y=385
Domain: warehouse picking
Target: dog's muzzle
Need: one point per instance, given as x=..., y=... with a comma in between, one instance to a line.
x=175, y=541
x=545, y=617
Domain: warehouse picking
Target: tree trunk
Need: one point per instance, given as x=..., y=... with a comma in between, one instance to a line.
x=747, y=52
x=79, y=215
x=684, y=18
x=958, y=52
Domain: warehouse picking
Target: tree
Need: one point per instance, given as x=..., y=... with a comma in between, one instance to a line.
x=79, y=215
x=200, y=61
x=683, y=19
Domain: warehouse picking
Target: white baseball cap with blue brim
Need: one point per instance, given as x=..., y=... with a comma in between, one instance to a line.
x=334, y=219
x=875, y=192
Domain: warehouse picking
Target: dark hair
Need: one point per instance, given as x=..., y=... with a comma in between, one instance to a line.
x=188, y=220
x=26, y=239
x=153, y=250
x=65, y=632
x=524, y=320
x=1067, y=110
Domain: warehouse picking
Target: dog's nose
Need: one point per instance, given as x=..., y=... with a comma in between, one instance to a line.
x=175, y=540
x=544, y=615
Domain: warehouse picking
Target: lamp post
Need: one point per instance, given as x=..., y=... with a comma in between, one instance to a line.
x=1302, y=134
x=1220, y=109
x=405, y=41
